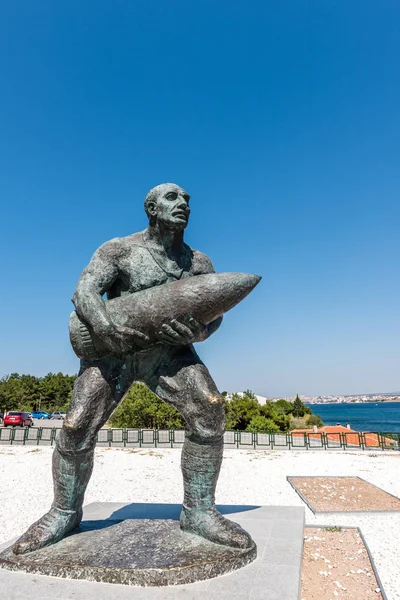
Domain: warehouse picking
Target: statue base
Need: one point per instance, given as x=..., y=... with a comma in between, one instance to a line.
x=142, y=552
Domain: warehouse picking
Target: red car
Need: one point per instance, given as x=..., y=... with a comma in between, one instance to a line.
x=21, y=419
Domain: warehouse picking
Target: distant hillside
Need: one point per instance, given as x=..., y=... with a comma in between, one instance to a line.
x=375, y=394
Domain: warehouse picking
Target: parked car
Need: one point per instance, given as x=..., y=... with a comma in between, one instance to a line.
x=58, y=415
x=22, y=419
x=41, y=414
x=1, y=417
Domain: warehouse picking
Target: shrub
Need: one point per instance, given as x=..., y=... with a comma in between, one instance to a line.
x=315, y=420
x=260, y=423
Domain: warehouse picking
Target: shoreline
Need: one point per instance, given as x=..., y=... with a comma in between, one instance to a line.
x=356, y=402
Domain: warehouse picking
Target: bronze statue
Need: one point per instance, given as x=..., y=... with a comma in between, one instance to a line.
x=168, y=365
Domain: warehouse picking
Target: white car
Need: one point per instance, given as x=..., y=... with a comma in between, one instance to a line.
x=58, y=415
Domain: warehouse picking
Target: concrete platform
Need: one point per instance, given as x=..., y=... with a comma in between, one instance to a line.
x=274, y=575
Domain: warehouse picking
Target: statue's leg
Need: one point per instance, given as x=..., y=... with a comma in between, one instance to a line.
x=96, y=393
x=181, y=379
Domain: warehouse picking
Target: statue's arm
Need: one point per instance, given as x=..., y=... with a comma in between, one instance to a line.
x=96, y=279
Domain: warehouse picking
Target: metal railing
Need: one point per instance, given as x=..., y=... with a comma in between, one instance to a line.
x=169, y=438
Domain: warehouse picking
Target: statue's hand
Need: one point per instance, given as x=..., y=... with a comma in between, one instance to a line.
x=179, y=333
x=124, y=340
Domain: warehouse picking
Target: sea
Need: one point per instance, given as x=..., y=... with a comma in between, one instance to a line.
x=363, y=416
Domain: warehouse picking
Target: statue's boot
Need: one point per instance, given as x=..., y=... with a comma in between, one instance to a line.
x=201, y=464
x=71, y=474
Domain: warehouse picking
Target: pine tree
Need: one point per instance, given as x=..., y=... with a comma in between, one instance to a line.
x=298, y=407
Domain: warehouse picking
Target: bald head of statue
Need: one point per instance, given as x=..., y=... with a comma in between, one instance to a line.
x=168, y=204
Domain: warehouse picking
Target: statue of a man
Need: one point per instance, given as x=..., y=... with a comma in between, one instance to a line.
x=170, y=368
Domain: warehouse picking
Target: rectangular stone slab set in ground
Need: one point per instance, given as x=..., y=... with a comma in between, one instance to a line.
x=347, y=494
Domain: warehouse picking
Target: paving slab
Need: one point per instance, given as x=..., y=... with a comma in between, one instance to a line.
x=274, y=575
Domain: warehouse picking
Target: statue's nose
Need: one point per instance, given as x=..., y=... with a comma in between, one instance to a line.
x=182, y=203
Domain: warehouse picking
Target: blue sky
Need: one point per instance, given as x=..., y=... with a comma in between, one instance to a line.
x=281, y=120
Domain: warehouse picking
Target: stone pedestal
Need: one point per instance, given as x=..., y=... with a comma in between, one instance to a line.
x=142, y=552
x=273, y=575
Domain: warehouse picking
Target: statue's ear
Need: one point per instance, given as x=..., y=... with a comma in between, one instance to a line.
x=152, y=213
x=151, y=207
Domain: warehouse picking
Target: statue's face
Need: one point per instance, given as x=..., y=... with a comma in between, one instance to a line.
x=172, y=208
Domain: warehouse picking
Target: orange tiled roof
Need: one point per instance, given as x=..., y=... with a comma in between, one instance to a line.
x=352, y=436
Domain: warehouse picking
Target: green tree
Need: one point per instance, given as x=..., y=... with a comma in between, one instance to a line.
x=27, y=392
x=142, y=409
x=11, y=391
x=298, y=407
x=243, y=410
x=240, y=409
x=268, y=410
x=284, y=406
x=260, y=423
x=283, y=422
x=279, y=417
x=30, y=392
x=19, y=391
x=55, y=391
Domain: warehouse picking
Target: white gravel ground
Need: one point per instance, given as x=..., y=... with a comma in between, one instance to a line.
x=247, y=477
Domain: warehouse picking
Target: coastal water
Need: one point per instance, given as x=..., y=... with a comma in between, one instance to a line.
x=366, y=416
